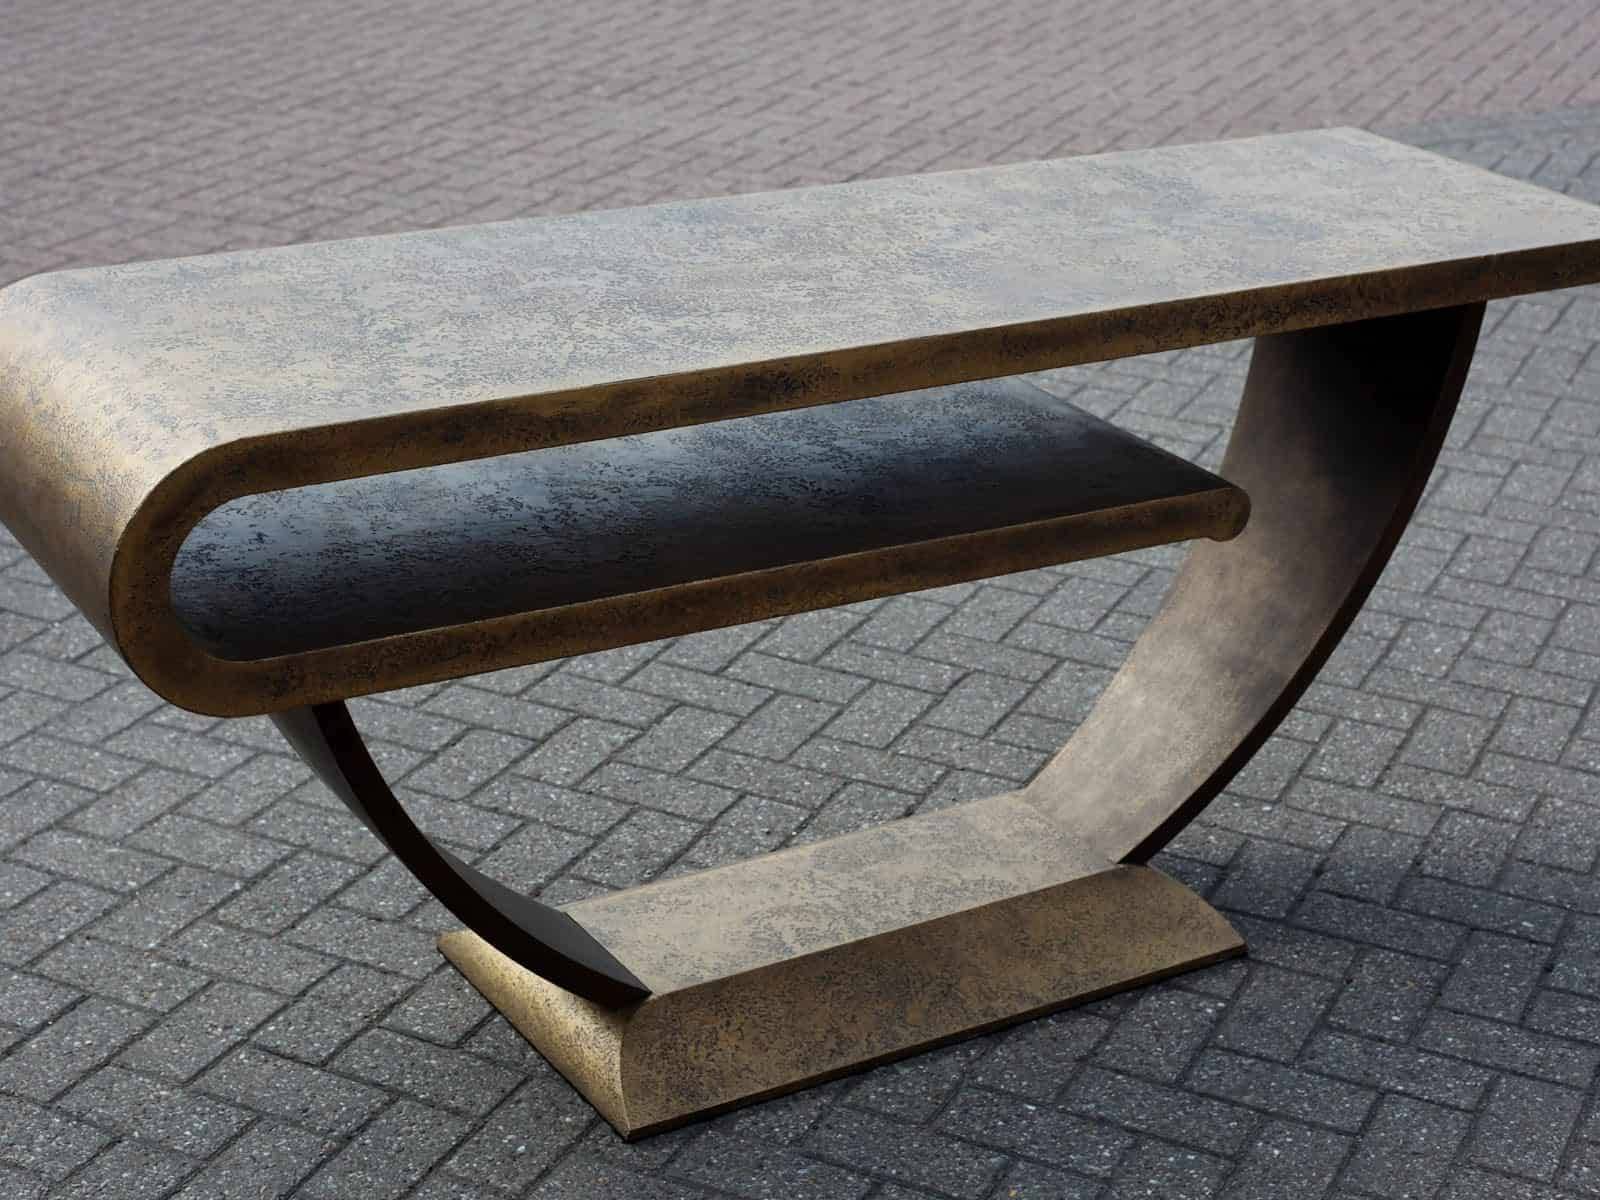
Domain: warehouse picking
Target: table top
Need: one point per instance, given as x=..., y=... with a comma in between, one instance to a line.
x=136, y=398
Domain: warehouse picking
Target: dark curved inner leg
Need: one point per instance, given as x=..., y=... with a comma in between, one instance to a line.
x=1336, y=435
x=543, y=939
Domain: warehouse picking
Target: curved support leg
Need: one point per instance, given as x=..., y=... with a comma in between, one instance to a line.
x=1336, y=435
x=545, y=940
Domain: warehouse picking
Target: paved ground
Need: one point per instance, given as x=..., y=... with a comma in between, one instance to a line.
x=213, y=983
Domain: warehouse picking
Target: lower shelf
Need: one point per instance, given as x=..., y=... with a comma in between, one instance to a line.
x=729, y=522
x=794, y=968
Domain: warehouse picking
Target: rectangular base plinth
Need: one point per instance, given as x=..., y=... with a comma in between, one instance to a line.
x=803, y=965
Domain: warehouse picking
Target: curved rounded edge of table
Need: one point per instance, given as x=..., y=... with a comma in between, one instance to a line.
x=111, y=540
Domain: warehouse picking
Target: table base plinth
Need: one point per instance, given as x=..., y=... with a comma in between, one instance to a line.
x=808, y=978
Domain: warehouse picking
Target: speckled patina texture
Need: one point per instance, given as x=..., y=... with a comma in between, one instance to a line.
x=135, y=399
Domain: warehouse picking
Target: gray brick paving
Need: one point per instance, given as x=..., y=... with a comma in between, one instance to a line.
x=213, y=984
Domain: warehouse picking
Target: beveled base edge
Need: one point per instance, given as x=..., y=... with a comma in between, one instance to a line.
x=690, y=1053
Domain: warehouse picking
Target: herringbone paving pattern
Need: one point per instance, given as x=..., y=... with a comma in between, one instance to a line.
x=213, y=984
x=146, y=128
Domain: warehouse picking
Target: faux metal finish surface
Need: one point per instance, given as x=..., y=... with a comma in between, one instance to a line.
x=136, y=399
x=616, y=541
x=805, y=964
x=1335, y=438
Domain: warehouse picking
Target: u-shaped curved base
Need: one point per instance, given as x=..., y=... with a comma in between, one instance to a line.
x=542, y=939
x=1336, y=435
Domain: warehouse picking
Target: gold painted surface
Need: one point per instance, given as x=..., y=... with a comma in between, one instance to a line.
x=135, y=399
x=792, y=987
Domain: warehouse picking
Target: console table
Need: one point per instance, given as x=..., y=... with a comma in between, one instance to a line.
x=277, y=479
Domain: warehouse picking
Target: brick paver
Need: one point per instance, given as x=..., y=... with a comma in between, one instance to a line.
x=212, y=982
